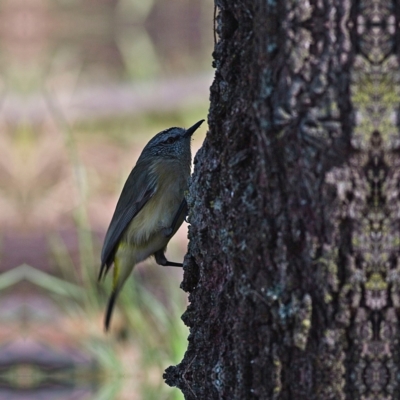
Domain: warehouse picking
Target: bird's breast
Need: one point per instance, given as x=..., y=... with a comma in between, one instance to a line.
x=160, y=210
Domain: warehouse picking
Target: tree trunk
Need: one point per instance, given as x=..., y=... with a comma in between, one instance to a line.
x=292, y=263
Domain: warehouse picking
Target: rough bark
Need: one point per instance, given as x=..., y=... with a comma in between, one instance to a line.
x=292, y=263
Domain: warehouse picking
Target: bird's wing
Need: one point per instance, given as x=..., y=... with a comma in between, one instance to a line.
x=138, y=189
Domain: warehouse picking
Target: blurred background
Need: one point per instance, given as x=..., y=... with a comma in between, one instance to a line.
x=84, y=85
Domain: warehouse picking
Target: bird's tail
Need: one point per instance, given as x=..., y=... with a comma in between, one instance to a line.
x=121, y=271
x=118, y=281
x=110, y=307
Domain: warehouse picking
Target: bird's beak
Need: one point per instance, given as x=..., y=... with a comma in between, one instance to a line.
x=192, y=129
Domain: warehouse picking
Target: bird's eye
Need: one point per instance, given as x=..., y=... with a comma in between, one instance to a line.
x=170, y=140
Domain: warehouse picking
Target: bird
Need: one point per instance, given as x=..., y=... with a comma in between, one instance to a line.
x=150, y=209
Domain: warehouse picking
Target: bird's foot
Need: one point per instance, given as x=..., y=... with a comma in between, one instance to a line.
x=161, y=260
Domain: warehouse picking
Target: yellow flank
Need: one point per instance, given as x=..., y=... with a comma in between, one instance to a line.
x=115, y=273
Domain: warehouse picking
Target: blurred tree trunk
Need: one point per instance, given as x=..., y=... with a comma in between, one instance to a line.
x=292, y=264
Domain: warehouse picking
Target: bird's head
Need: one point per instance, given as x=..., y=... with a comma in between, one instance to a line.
x=172, y=143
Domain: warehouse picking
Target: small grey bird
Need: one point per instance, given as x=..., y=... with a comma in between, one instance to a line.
x=151, y=208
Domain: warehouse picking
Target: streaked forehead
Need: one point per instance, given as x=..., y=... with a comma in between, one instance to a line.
x=161, y=136
x=169, y=131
